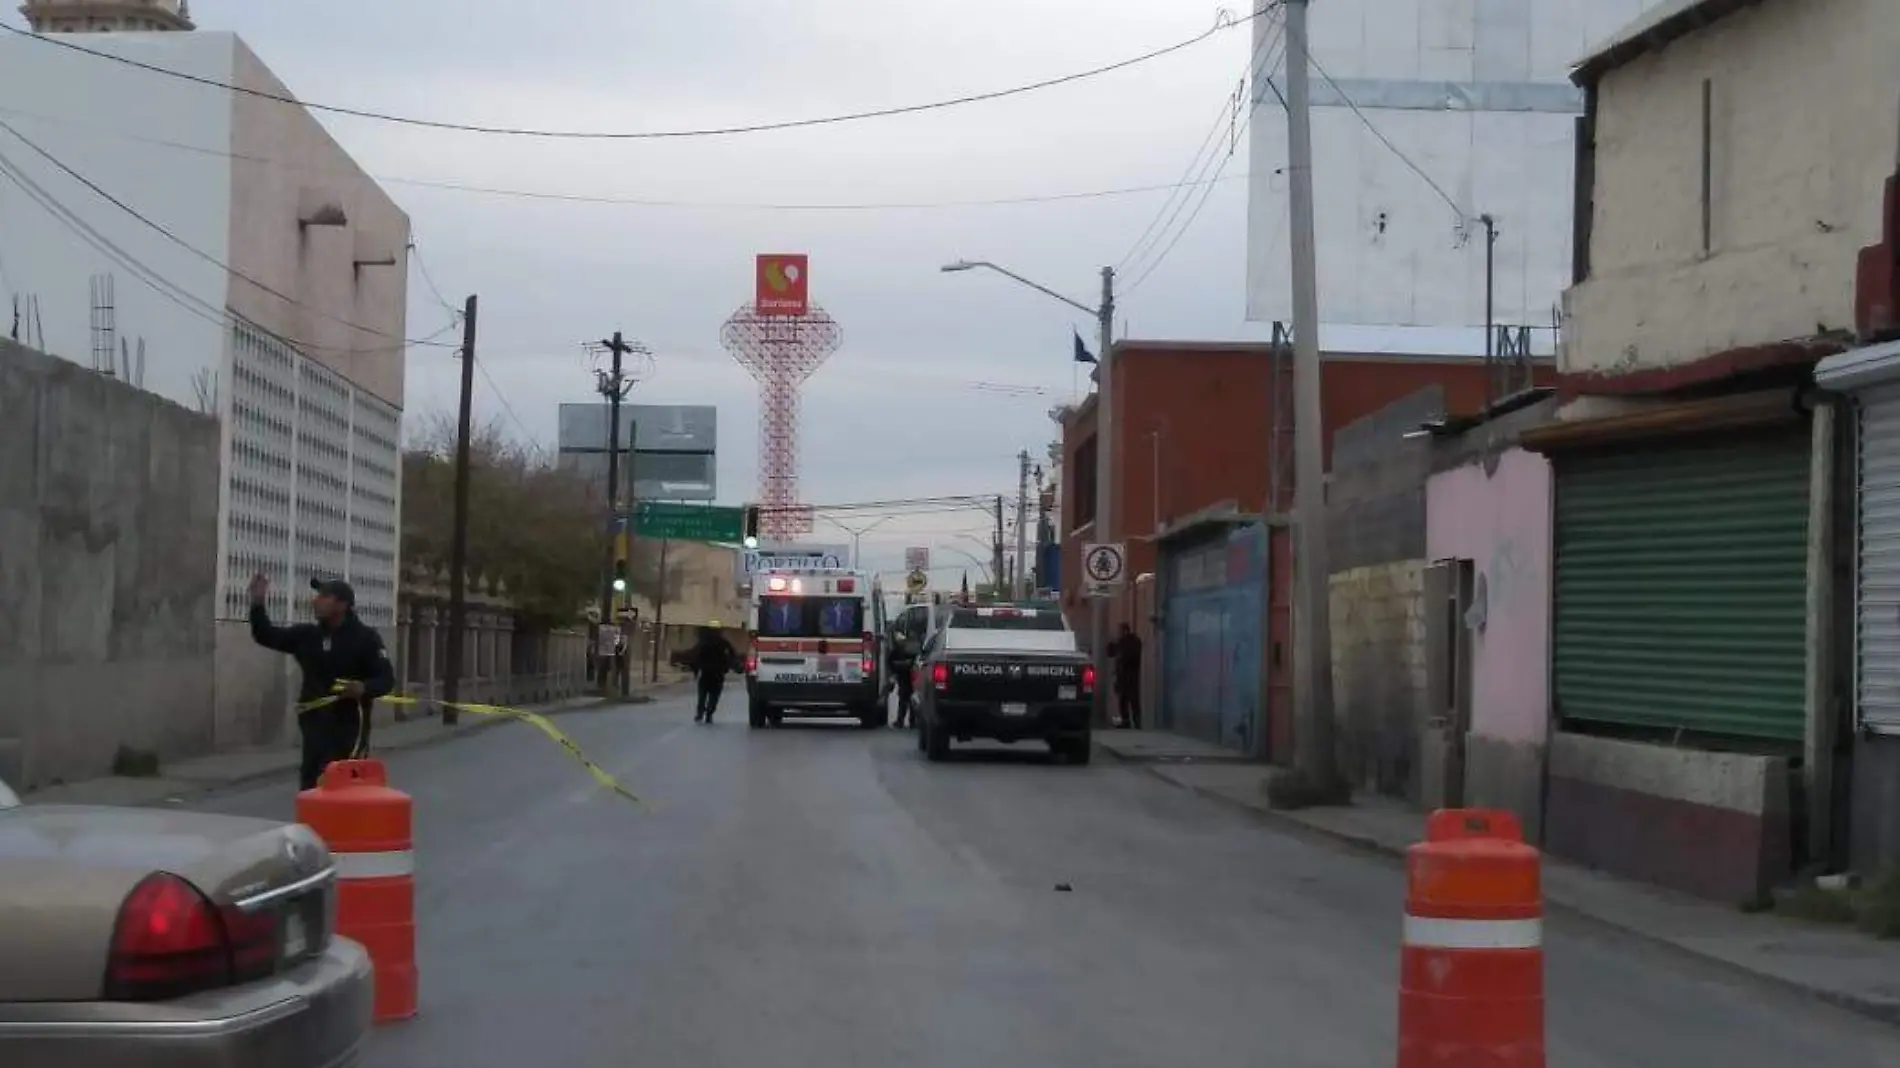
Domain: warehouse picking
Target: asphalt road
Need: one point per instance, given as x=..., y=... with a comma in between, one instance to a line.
x=819, y=896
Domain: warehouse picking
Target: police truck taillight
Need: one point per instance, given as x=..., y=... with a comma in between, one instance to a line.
x=752, y=663
x=1088, y=678
x=171, y=941
x=940, y=676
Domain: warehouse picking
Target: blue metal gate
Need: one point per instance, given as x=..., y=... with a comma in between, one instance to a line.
x=1213, y=685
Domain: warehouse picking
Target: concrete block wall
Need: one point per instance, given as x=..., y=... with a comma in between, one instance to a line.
x=1712, y=824
x=108, y=547
x=1379, y=674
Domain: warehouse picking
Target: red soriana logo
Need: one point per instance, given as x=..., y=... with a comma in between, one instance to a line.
x=783, y=284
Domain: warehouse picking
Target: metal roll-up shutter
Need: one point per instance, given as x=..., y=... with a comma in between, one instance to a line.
x=1680, y=585
x=1877, y=578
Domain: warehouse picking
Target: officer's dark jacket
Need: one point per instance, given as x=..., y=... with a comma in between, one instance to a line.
x=351, y=651
x=714, y=656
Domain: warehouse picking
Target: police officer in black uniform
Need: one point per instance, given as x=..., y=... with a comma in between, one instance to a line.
x=712, y=659
x=338, y=655
x=902, y=660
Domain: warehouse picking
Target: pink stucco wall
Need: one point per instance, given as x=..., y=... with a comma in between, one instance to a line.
x=1502, y=523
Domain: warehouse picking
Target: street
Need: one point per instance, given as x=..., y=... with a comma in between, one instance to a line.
x=822, y=896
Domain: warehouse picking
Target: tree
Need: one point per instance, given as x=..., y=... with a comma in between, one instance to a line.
x=535, y=527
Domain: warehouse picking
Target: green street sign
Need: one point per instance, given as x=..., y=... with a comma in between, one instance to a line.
x=688, y=522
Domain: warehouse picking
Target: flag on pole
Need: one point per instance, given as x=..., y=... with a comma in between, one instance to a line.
x=1082, y=353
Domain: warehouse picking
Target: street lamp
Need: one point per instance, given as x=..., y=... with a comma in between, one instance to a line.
x=1104, y=520
x=857, y=533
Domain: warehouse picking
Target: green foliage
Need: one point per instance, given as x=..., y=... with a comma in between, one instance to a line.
x=538, y=529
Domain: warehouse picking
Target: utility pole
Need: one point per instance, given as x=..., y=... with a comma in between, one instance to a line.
x=1492, y=391
x=997, y=578
x=613, y=386
x=1019, y=588
x=458, y=540
x=1104, y=482
x=659, y=612
x=1314, y=757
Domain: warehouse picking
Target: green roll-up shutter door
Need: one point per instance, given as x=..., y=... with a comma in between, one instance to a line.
x=1681, y=577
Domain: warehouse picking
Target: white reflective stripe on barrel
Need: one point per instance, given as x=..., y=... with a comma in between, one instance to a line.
x=374, y=865
x=1430, y=932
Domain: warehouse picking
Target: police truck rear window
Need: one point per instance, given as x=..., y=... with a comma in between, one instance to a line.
x=1005, y=619
x=811, y=617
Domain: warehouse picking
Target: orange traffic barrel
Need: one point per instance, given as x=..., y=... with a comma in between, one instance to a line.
x=367, y=827
x=1471, y=975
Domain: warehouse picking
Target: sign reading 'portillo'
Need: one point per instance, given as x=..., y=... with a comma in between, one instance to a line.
x=783, y=286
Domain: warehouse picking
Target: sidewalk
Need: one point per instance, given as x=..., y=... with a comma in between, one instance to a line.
x=1836, y=965
x=181, y=780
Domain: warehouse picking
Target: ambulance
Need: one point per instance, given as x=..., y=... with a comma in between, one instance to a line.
x=817, y=646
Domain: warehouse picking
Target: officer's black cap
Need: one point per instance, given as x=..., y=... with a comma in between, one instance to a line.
x=336, y=588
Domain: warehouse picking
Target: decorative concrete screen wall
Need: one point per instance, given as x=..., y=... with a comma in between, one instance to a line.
x=312, y=486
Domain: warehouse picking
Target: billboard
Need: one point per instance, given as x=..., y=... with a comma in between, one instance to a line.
x=1427, y=115
x=783, y=284
x=674, y=454
x=750, y=561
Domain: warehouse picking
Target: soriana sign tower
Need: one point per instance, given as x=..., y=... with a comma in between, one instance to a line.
x=784, y=284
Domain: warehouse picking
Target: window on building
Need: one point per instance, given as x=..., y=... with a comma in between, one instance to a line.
x=1082, y=486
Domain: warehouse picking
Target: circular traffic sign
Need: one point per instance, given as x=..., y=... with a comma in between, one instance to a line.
x=1104, y=563
x=916, y=581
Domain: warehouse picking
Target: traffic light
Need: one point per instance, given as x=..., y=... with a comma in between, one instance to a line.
x=751, y=526
x=620, y=576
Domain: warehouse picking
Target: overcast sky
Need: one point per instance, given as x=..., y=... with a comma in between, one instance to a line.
x=901, y=410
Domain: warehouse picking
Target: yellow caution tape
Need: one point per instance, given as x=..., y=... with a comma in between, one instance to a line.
x=533, y=719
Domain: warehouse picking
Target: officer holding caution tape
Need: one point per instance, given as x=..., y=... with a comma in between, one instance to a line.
x=338, y=655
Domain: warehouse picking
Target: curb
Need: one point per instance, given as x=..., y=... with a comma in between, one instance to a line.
x=439, y=737
x=1883, y=1012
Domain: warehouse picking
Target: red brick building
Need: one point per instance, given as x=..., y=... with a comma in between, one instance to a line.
x=1196, y=426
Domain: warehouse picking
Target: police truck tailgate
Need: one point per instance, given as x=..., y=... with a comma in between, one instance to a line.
x=1000, y=678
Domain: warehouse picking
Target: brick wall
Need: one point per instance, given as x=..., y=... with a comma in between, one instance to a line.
x=1379, y=673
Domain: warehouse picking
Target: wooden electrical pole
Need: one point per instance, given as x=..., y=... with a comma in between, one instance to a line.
x=613, y=386
x=458, y=542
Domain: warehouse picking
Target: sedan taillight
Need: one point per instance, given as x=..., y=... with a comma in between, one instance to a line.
x=170, y=941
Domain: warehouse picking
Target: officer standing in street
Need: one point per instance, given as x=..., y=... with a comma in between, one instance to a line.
x=340, y=657
x=902, y=660
x=712, y=659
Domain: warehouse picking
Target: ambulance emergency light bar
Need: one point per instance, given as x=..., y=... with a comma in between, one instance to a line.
x=782, y=584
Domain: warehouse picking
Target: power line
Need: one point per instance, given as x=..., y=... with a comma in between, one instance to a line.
x=606, y=200
x=193, y=249
x=154, y=280
x=1387, y=142
x=1196, y=169
x=1222, y=23
x=1207, y=192
x=422, y=268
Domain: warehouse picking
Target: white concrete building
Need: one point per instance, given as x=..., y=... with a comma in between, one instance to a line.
x=1737, y=173
x=106, y=16
x=1475, y=95
x=1738, y=221
x=253, y=271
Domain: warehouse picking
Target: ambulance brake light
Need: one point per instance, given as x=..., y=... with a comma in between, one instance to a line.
x=847, y=585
